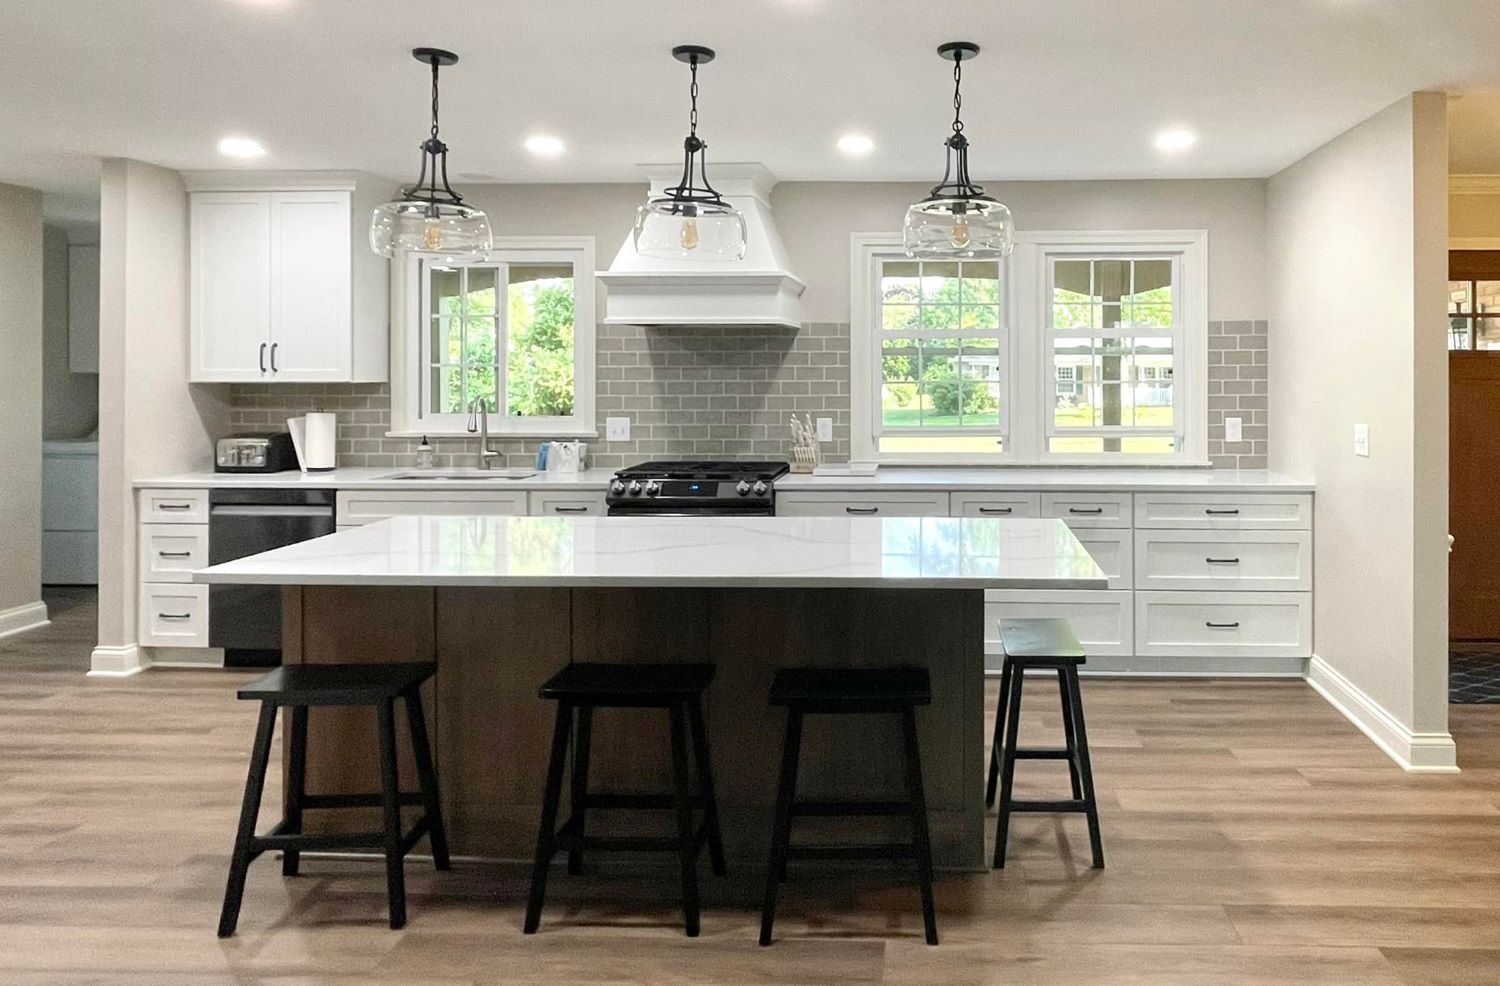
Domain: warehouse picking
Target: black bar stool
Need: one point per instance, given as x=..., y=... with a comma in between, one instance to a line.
x=849, y=691
x=584, y=687
x=1048, y=645
x=298, y=688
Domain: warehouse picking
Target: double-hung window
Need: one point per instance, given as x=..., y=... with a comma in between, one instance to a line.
x=1079, y=347
x=513, y=333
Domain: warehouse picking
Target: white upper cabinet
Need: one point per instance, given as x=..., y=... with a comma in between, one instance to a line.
x=278, y=292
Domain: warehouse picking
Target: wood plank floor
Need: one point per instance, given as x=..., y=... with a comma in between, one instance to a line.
x=1253, y=836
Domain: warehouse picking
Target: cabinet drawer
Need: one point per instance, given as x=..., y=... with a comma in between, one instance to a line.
x=568, y=504
x=914, y=504
x=357, y=507
x=171, y=552
x=173, y=615
x=1100, y=617
x=1238, y=560
x=173, y=506
x=1088, y=509
x=1113, y=550
x=1223, y=624
x=995, y=505
x=1215, y=511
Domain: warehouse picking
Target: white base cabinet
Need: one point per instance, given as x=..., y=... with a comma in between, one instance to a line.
x=1223, y=624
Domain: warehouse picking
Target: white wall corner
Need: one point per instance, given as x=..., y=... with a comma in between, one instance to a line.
x=19, y=619
x=1421, y=753
x=118, y=661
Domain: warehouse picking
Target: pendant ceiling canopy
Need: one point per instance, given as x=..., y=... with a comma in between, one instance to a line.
x=957, y=220
x=430, y=217
x=690, y=220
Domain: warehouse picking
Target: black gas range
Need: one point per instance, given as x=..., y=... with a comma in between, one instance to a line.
x=695, y=488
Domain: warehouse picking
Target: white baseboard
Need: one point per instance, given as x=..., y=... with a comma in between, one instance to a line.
x=1429, y=753
x=186, y=657
x=19, y=619
x=118, y=662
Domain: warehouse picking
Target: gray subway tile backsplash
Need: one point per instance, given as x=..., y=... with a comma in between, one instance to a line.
x=704, y=391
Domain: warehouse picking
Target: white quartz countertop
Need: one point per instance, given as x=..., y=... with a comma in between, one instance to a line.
x=891, y=478
x=756, y=552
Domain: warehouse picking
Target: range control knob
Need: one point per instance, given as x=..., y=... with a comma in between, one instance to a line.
x=634, y=488
x=652, y=487
x=617, y=487
x=760, y=487
x=742, y=488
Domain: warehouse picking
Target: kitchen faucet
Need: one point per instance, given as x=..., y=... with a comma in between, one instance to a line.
x=486, y=454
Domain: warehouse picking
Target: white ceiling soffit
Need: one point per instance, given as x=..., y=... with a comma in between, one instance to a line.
x=1063, y=89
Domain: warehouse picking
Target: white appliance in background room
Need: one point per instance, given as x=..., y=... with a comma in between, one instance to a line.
x=70, y=512
x=759, y=289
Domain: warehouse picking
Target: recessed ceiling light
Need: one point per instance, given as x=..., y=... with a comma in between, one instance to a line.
x=856, y=145
x=543, y=146
x=1175, y=141
x=241, y=147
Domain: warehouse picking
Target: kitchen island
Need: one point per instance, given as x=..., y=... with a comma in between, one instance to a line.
x=500, y=603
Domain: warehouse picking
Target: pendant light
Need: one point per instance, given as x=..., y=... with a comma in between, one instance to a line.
x=430, y=217
x=957, y=221
x=690, y=220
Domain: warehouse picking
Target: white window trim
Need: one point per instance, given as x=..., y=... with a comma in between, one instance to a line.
x=1024, y=275
x=407, y=420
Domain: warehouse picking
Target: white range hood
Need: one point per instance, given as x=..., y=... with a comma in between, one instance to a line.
x=757, y=290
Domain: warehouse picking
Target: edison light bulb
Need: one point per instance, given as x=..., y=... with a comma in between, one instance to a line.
x=960, y=235
x=432, y=235
x=689, y=235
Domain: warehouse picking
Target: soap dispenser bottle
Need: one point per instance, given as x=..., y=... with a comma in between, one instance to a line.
x=424, y=454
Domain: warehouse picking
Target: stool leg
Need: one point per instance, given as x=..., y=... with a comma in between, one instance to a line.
x=432, y=803
x=1069, y=735
x=919, y=832
x=1085, y=768
x=687, y=845
x=781, y=828
x=296, y=787
x=390, y=802
x=546, y=835
x=239, y=863
x=706, y=786
x=1008, y=764
x=579, y=792
x=995, y=744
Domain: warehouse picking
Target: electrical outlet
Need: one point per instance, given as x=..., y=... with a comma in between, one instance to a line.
x=617, y=429
x=825, y=429
x=1233, y=430
x=1362, y=440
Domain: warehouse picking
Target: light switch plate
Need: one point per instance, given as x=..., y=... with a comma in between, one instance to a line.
x=617, y=429
x=1362, y=440
x=825, y=429
x=1233, y=430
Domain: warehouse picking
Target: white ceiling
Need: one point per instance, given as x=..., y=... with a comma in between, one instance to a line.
x=1063, y=89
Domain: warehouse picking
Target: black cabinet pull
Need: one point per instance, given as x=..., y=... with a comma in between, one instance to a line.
x=1222, y=561
x=175, y=554
x=174, y=506
x=861, y=510
x=570, y=510
x=1085, y=510
x=1222, y=626
x=174, y=616
x=995, y=510
x=262, y=357
x=273, y=357
x=1226, y=513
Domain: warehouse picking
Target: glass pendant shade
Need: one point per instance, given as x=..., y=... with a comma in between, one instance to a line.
x=451, y=231
x=430, y=217
x=671, y=230
x=958, y=228
x=690, y=220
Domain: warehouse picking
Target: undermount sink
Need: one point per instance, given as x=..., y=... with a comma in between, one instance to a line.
x=464, y=474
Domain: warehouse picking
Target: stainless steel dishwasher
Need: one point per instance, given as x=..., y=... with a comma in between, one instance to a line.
x=245, y=620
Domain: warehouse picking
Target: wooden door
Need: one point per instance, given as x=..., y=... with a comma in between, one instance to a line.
x=1474, y=445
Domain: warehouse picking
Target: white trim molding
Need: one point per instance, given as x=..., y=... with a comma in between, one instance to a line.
x=19, y=619
x=1419, y=753
x=118, y=661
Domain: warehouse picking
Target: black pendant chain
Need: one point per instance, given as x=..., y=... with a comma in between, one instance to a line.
x=958, y=96
x=434, y=99
x=693, y=95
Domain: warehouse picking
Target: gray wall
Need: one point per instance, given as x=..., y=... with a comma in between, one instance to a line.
x=70, y=401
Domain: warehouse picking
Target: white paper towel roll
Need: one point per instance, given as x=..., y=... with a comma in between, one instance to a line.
x=321, y=441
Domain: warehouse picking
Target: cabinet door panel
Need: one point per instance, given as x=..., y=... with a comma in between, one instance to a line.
x=230, y=285
x=310, y=324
